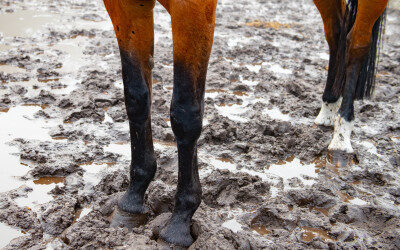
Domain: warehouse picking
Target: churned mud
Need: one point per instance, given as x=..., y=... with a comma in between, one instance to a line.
x=268, y=181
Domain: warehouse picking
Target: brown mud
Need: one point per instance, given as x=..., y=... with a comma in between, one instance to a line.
x=268, y=181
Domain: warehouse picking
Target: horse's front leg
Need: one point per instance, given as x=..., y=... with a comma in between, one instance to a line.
x=134, y=28
x=332, y=14
x=358, y=53
x=193, y=32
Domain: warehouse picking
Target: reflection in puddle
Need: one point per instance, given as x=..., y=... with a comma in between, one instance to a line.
x=47, y=180
x=59, y=138
x=260, y=229
x=18, y=122
x=164, y=143
x=225, y=160
x=334, y=161
x=42, y=106
x=8, y=233
x=267, y=25
x=212, y=93
x=310, y=233
x=240, y=93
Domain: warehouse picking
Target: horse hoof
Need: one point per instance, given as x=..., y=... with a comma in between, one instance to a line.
x=123, y=219
x=177, y=234
x=129, y=204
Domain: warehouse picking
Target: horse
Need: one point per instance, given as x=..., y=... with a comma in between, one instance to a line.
x=348, y=29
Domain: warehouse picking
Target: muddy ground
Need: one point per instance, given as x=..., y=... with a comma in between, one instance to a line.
x=267, y=180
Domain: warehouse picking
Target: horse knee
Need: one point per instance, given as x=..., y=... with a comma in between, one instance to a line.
x=186, y=121
x=137, y=93
x=137, y=101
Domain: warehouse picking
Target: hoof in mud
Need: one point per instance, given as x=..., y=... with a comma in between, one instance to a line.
x=342, y=159
x=130, y=205
x=123, y=219
x=177, y=234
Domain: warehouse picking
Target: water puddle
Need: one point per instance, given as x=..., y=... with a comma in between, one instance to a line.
x=9, y=69
x=233, y=111
x=292, y=168
x=253, y=68
x=260, y=229
x=24, y=22
x=74, y=53
x=42, y=106
x=276, y=114
x=92, y=176
x=233, y=225
x=80, y=213
x=39, y=193
x=48, y=180
x=310, y=233
x=348, y=199
x=18, y=122
x=277, y=69
x=8, y=233
x=286, y=170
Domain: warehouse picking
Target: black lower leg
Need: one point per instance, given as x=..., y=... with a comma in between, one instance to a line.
x=186, y=120
x=329, y=96
x=346, y=110
x=143, y=166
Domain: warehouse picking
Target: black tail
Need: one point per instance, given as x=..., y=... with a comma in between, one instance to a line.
x=366, y=78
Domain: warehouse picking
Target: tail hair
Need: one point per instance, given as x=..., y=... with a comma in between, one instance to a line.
x=366, y=79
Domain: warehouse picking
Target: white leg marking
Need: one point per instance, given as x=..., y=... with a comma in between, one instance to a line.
x=341, y=135
x=328, y=112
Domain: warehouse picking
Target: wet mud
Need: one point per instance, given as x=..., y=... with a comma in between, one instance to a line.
x=268, y=180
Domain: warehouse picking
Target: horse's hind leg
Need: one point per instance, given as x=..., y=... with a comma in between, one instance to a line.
x=332, y=13
x=357, y=52
x=134, y=28
x=193, y=31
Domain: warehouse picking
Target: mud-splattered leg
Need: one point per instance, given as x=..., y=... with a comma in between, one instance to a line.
x=193, y=31
x=134, y=28
x=332, y=12
x=358, y=48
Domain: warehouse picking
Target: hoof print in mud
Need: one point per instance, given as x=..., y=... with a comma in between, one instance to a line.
x=123, y=219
